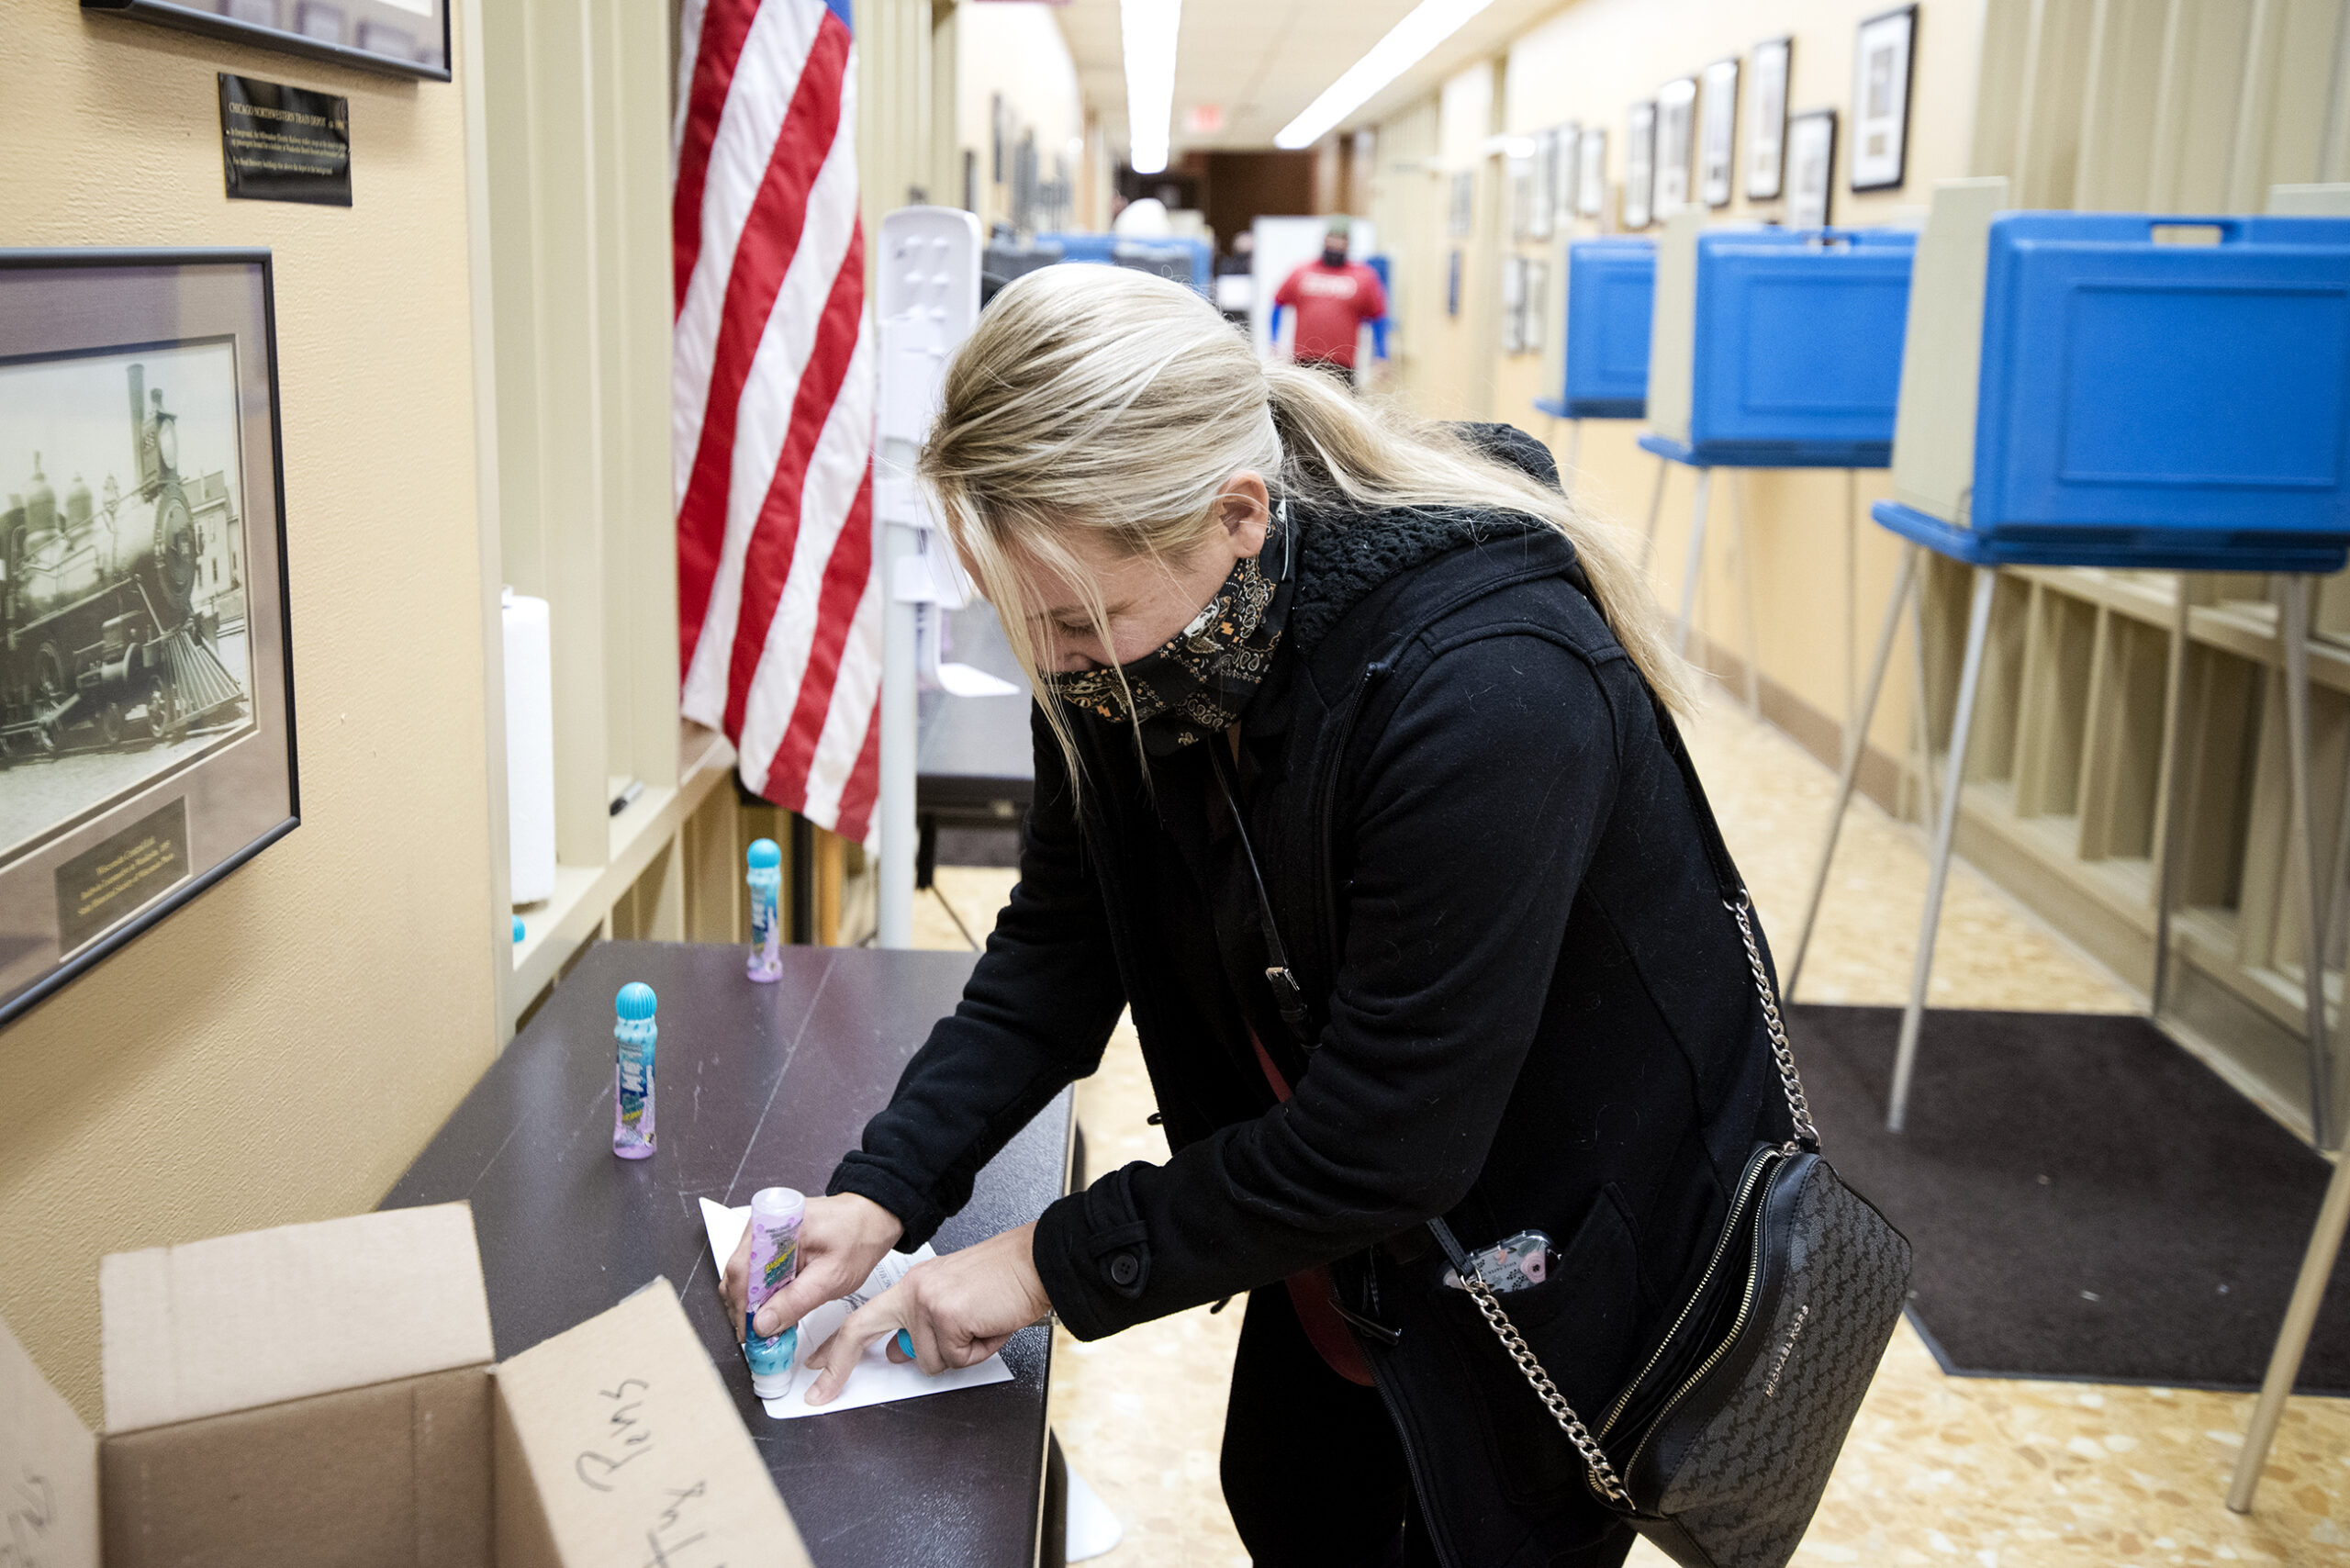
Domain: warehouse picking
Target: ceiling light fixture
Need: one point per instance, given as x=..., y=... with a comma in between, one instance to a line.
x=1148, y=29
x=1406, y=44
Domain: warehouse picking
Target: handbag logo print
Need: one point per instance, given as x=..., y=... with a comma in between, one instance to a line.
x=1779, y=1363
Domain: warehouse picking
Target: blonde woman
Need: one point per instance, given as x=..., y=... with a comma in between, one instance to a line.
x=1498, y=988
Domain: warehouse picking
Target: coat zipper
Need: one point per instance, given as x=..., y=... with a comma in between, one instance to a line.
x=1411, y=1468
x=1729, y=1229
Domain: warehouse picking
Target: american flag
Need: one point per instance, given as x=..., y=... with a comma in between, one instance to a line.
x=779, y=612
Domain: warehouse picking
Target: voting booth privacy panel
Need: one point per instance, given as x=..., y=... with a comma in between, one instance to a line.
x=2152, y=393
x=1777, y=348
x=251, y=1419
x=1610, y=296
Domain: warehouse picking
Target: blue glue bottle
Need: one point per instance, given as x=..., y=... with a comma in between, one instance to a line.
x=633, y=1037
x=776, y=1213
x=766, y=876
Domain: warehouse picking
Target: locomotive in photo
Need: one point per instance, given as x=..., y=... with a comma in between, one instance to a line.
x=108, y=627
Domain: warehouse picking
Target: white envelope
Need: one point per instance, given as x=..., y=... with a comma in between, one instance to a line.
x=878, y=1380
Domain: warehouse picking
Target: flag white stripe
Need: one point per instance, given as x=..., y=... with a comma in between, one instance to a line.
x=758, y=98
x=763, y=422
x=851, y=712
x=835, y=473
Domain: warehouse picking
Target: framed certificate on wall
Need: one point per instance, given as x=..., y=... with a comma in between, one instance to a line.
x=1766, y=119
x=1677, y=112
x=1882, y=73
x=1640, y=169
x=146, y=676
x=410, y=38
x=1718, y=133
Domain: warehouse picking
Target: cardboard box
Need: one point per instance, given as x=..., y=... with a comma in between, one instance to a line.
x=325, y=1394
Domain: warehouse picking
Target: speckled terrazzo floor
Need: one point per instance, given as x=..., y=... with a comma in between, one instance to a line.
x=1939, y=1469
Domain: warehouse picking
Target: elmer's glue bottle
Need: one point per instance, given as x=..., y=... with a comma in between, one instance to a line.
x=766, y=876
x=633, y=1037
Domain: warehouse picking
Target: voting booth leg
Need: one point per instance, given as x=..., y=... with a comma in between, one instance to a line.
x=1656, y=510
x=1856, y=738
x=1921, y=726
x=2167, y=830
x=1745, y=591
x=1575, y=456
x=1696, y=560
x=2294, y=623
x=2293, y=1339
x=1905, y=1058
x=1852, y=599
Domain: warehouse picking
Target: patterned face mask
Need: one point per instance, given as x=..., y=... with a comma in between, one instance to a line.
x=1196, y=683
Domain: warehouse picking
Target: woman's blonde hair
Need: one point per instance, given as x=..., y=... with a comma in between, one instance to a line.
x=1104, y=399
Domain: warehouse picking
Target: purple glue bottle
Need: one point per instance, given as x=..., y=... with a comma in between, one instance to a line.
x=633, y=1037
x=764, y=872
x=776, y=1213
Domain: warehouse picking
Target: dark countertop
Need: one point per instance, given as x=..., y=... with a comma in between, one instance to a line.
x=758, y=1085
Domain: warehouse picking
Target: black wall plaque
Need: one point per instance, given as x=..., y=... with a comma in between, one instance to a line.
x=280, y=143
x=121, y=873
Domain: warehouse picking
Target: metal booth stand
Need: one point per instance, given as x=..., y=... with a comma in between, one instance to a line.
x=2119, y=391
x=1773, y=349
x=1610, y=294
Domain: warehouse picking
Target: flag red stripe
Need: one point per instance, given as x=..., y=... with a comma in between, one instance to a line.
x=770, y=236
x=724, y=25
x=864, y=781
x=845, y=579
x=768, y=561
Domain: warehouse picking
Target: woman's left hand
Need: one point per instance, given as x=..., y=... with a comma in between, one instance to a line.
x=958, y=1310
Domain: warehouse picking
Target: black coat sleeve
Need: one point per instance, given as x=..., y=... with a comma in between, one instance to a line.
x=1478, y=813
x=1035, y=1016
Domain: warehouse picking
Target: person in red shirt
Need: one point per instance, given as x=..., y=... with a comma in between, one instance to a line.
x=1333, y=297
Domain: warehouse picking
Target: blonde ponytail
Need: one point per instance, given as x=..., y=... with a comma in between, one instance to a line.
x=1101, y=398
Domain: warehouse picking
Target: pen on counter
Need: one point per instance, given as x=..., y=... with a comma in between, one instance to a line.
x=627, y=797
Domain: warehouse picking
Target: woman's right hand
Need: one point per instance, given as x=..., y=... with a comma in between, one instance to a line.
x=841, y=1241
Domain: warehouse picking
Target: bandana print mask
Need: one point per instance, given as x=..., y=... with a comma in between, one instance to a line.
x=1197, y=682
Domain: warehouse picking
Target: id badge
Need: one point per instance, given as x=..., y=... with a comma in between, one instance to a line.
x=1515, y=1264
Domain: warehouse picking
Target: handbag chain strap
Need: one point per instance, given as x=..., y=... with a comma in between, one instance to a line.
x=1289, y=998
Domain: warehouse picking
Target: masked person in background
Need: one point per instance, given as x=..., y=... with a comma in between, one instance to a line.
x=1435, y=700
x=1334, y=298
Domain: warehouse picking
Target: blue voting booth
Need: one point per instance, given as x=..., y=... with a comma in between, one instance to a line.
x=1793, y=356
x=1186, y=260
x=1772, y=348
x=2123, y=391
x=1611, y=294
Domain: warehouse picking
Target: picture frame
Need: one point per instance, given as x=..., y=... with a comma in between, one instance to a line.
x=1640, y=166
x=1884, y=68
x=1512, y=305
x=1717, y=132
x=1461, y=211
x=1520, y=172
x=1542, y=206
x=406, y=38
x=1811, y=169
x=1537, y=287
x=1591, y=172
x=1769, y=64
x=147, y=740
x=1676, y=113
x=1566, y=172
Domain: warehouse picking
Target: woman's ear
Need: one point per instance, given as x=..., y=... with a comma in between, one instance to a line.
x=1245, y=507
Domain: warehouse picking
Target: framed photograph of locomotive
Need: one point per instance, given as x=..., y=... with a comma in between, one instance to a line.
x=407, y=38
x=146, y=684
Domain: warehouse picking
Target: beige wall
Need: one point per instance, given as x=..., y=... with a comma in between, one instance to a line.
x=1016, y=49
x=280, y=1049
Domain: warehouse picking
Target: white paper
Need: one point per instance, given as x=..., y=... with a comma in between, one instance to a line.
x=878, y=1380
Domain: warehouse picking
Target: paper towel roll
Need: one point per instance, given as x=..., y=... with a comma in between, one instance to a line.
x=530, y=748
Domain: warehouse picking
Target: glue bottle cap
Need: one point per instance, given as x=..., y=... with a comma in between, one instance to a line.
x=763, y=854
x=777, y=1203
x=636, y=1001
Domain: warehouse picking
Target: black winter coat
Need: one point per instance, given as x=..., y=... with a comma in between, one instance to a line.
x=1532, y=1009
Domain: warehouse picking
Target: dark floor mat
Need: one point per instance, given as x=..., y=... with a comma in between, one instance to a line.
x=2086, y=1199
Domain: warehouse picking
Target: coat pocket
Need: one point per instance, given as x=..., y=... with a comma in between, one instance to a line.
x=1579, y=1322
